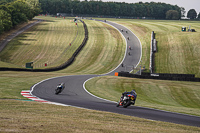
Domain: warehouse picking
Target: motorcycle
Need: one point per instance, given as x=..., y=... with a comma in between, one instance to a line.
x=127, y=99
x=60, y=88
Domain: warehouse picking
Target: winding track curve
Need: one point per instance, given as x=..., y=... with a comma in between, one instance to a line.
x=76, y=95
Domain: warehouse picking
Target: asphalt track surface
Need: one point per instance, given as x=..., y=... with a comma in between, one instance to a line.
x=75, y=94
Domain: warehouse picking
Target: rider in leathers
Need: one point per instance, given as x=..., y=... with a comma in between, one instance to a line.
x=61, y=86
x=133, y=92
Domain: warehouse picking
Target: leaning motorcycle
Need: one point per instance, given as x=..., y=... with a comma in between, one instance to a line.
x=60, y=88
x=127, y=100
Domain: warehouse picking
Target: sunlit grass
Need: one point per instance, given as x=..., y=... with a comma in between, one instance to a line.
x=177, y=50
x=101, y=54
x=47, y=42
x=175, y=96
x=23, y=116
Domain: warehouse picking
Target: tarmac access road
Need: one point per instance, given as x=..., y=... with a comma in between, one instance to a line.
x=75, y=94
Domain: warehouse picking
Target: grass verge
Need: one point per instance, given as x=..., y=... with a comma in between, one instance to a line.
x=174, y=96
x=20, y=116
x=104, y=50
x=177, y=50
x=47, y=42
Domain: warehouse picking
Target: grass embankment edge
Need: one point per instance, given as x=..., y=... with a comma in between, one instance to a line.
x=40, y=117
x=174, y=96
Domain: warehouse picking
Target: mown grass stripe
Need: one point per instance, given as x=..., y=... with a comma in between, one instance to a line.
x=48, y=47
x=177, y=50
x=174, y=96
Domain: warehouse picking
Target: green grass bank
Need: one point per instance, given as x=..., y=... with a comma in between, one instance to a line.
x=174, y=96
x=47, y=42
x=102, y=53
x=24, y=116
x=178, y=52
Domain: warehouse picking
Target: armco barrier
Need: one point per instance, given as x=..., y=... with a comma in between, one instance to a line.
x=176, y=77
x=64, y=65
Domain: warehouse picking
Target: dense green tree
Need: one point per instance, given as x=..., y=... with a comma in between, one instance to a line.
x=6, y=22
x=20, y=12
x=2, y=2
x=172, y=14
x=192, y=14
x=13, y=12
x=1, y=26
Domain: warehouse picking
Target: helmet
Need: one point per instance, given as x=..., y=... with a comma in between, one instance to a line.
x=133, y=91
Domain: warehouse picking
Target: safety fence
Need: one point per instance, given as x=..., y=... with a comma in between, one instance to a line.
x=161, y=76
x=60, y=67
x=153, y=49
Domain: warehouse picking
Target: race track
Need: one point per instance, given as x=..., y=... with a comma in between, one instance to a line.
x=75, y=94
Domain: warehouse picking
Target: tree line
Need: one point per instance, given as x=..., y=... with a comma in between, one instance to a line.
x=13, y=12
x=117, y=9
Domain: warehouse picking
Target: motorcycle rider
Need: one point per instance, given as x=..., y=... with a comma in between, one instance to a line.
x=133, y=92
x=60, y=86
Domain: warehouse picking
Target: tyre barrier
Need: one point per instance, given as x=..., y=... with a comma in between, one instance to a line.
x=60, y=67
x=161, y=76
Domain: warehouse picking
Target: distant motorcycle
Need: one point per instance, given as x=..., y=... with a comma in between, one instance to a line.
x=127, y=99
x=60, y=88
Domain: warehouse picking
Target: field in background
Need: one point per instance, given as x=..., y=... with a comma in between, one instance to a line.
x=104, y=51
x=178, y=52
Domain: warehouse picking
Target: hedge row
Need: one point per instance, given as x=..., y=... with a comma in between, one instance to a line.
x=62, y=66
x=162, y=76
